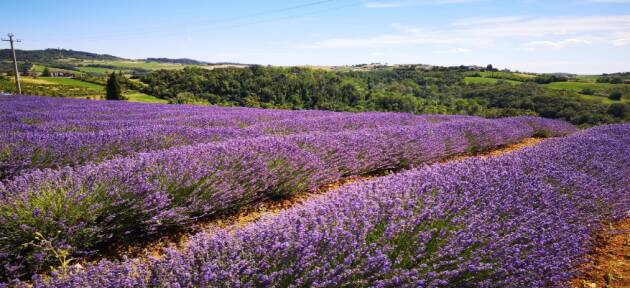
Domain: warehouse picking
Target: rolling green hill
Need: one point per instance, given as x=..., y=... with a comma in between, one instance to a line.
x=69, y=87
x=48, y=55
x=474, y=90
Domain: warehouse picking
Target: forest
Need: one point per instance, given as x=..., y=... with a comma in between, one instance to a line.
x=440, y=90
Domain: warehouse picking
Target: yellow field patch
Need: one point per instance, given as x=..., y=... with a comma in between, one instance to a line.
x=35, y=81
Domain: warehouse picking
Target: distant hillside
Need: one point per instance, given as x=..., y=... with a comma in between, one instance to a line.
x=409, y=88
x=615, y=78
x=230, y=64
x=48, y=55
x=188, y=61
x=184, y=61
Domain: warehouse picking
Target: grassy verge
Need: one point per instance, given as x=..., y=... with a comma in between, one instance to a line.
x=73, y=88
x=484, y=80
x=135, y=96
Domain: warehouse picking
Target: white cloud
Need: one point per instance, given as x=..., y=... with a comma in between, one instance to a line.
x=487, y=20
x=621, y=41
x=543, y=32
x=378, y=41
x=397, y=4
x=406, y=29
x=550, y=26
x=457, y=50
x=555, y=44
x=384, y=4
x=610, y=1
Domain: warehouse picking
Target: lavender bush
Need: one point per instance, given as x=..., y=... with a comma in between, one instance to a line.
x=56, y=132
x=85, y=208
x=521, y=220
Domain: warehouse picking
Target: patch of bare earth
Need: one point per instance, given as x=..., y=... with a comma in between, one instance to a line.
x=251, y=213
x=609, y=264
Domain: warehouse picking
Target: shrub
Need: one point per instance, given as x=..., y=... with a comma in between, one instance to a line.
x=615, y=95
x=525, y=219
x=619, y=110
x=88, y=207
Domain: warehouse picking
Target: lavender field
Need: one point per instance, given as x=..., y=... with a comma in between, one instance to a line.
x=521, y=220
x=78, y=177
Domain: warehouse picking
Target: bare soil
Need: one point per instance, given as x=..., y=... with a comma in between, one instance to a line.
x=609, y=264
x=255, y=211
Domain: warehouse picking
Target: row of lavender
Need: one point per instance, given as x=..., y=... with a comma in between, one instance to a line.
x=521, y=220
x=52, y=133
x=28, y=114
x=83, y=209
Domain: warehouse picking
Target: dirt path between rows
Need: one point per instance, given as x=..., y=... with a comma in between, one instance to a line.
x=609, y=265
x=253, y=212
x=610, y=260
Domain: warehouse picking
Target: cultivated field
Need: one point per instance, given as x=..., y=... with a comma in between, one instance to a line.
x=81, y=180
x=71, y=87
x=521, y=220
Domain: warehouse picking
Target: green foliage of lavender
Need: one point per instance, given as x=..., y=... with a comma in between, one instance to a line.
x=79, y=132
x=441, y=90
x=91, y=206
x=525, y=219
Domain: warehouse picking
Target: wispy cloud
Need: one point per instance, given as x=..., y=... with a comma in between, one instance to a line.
x=555, y=44
x=550, y=26
x=384, y=4
x=609, y=1
x=622, y=41
x=406, y=36
x=397, y=4
x=457, y=50
x=487, y=20
x=518, y=31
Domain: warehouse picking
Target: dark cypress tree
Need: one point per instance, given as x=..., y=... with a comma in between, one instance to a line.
x=113, y=90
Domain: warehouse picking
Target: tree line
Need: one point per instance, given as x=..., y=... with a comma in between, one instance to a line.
x=440, y=90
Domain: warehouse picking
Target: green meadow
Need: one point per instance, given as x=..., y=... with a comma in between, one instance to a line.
x=484, y=80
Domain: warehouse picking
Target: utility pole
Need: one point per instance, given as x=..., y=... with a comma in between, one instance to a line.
x=15, y=65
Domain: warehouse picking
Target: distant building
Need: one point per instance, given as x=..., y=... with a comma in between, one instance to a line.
x=60, y=74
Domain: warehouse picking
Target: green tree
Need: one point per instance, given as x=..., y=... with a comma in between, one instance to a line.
x=615, y=95
x=588, y=91
x=616, y=80
x=46, y=72
x=113, y=90
x=186, y=98
x=403, y=89
x=618, y=110
x=25, y=68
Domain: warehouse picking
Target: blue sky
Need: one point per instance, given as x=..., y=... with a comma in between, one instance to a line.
x=579, y=36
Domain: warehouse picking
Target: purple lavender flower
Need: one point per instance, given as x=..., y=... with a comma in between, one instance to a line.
x=521, y=220
x=175, y=171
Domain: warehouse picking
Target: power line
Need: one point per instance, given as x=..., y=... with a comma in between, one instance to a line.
x=15, y=65
x=290, y=16
x=275, y=10
x=237, y=25
x=219, y=23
